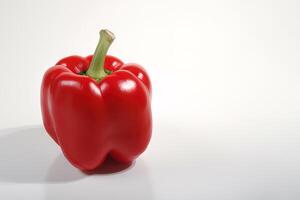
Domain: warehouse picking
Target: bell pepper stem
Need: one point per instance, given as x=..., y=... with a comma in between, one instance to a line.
x=96, y=69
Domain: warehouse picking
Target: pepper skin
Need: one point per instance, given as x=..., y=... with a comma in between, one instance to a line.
x=91, y=119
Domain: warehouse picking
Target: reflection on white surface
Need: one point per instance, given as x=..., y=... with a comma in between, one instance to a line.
x=28, y=156
x=219, y=164
x=133, y=184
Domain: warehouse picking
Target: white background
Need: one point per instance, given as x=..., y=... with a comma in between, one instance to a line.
x=226, y=102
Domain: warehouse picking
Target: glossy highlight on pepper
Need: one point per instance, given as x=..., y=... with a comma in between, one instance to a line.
x=97, y=106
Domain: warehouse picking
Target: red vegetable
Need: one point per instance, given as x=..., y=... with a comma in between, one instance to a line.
x=97, y=106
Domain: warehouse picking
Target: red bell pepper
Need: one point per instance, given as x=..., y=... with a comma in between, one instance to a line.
x=97, y=106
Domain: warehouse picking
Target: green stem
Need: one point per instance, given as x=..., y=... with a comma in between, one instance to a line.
x=96, y=69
